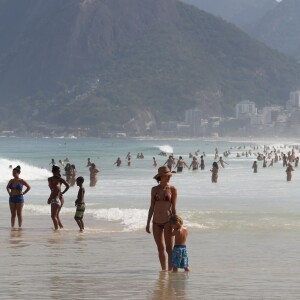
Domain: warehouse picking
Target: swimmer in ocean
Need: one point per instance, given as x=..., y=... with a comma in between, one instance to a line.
x=180, y=164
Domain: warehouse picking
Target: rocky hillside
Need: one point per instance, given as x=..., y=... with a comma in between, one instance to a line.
x=128, y=64
x=280, y=28
x=239, y=12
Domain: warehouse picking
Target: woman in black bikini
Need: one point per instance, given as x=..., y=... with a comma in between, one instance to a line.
x=163, y=206
x=56, y=198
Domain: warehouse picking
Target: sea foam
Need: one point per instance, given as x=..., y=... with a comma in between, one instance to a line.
x=131, y=219
x=29, y=172
x=166, y=148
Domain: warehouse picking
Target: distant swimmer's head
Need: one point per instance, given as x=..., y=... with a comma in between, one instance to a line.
x=163, y=174
x=80, y=180
x=175, y=222
x=180, y=157
x=215, y=165
x=17, y=171
x=56, y=170
x=93, y=165
x=10, y=166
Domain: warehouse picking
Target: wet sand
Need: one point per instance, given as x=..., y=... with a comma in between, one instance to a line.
x=37, y=263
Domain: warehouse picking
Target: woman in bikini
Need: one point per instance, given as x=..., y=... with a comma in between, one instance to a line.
x=16, y=199
x=56, y=199
x=163, y=206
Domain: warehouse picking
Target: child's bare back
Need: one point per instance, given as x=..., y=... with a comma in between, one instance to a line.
x=180, y=236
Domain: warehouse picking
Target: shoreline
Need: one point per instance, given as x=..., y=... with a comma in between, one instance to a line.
x=234, y=139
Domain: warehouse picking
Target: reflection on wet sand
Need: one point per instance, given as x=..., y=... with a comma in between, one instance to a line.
x=74, y=287
x=170, y=286
x=16, y=242
x=16, y=237
x=55, y=239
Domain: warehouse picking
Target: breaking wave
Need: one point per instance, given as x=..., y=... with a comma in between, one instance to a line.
x=29, y=172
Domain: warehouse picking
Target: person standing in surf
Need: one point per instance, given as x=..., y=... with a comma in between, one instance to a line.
x=214, y=171
x=52, y=163
x=170, y=162
x=68, y=173
x=181, y=164
x=202, y=163
x=89, y=163
x=56, y=199
x=222, y=162
x=93, y=175
x=73, y=175
x=154, y=162
x=80, y=204
x=162, y=207
x=194, y=164
x=289, y=171
x=16, y=196
x=254, y=167
x=118, y=162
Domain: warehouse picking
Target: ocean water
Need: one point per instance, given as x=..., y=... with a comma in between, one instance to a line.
x=244, y=231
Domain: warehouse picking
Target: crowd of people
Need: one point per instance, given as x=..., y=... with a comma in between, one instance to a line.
x=56, y=200
x=167, y=226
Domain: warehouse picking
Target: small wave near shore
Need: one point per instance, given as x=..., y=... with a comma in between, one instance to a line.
x=29, y=172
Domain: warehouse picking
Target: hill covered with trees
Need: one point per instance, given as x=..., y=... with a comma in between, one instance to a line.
x=128, y=64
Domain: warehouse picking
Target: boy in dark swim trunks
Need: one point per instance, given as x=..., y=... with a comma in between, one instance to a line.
x=180, y=255
x=79, y=203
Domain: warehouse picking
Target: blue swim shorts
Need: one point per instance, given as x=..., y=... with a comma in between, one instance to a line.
x=16, y=199
x=180, y=257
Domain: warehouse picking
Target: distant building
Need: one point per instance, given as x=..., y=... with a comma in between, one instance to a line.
x=270, y=114
x=183, y=129
x=256, y=120
x=245, y=109
x=295, y=117
x=193, y=119
x=294, y=101
x=168, y=128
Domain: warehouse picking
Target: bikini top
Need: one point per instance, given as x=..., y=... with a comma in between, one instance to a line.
x=18, y=187
x=167, y=196
x=52, y=183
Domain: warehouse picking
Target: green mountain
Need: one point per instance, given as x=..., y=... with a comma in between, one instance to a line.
x=127, y=65
x=239, y=12
x=280, y=28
